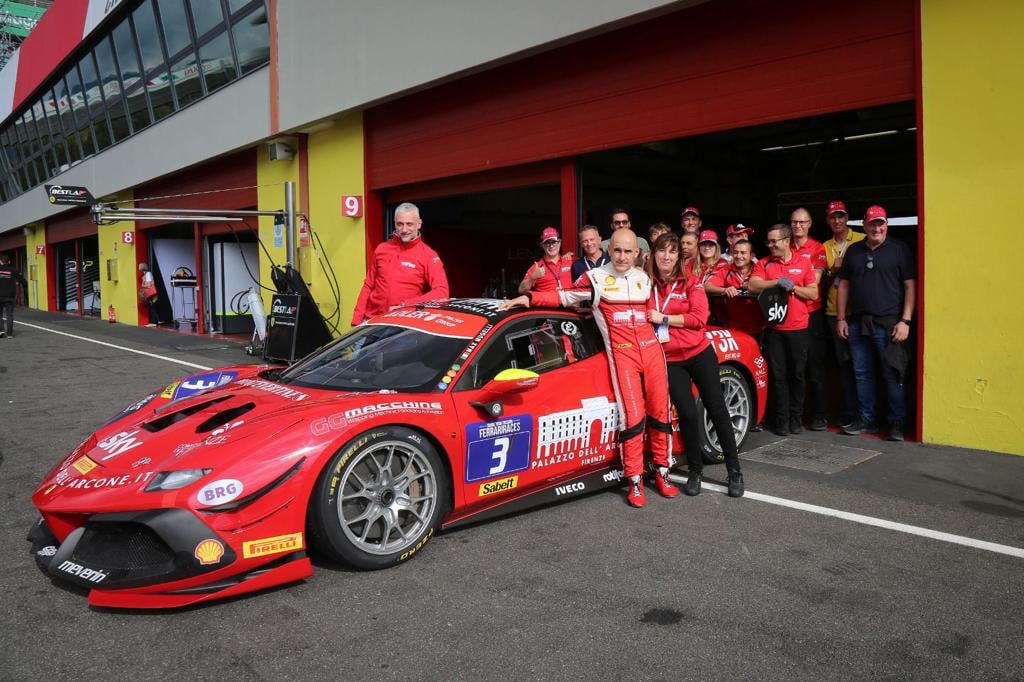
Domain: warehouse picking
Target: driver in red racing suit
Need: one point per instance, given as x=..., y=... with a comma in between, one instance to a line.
x=619, y=293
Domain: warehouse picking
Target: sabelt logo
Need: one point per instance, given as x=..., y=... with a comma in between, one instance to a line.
x=209, y=552
x=275, y=545
x=498, y=486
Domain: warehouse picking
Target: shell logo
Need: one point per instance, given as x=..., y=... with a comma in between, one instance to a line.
x=209, y=552
x=609, y=280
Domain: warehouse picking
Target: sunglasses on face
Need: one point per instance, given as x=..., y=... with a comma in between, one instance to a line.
x=552, y=241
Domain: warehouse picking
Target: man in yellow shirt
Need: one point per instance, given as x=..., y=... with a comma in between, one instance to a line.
x=835, y=249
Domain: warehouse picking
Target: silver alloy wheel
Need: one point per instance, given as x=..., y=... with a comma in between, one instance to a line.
x=737, y=401
x=387, y=497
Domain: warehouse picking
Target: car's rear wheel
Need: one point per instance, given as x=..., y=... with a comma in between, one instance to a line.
x=739, y=402
x=379, y=499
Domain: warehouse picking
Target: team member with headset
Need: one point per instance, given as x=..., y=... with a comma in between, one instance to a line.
x=678, y=308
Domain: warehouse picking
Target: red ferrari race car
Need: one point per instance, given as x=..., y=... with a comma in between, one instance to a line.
x=424, y=418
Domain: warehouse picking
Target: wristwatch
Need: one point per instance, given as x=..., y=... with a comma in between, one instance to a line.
x=906, y=322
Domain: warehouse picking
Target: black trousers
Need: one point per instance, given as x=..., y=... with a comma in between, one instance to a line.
x=7, y=315
x=787, y=362
x=817, y=348
x=702, y=369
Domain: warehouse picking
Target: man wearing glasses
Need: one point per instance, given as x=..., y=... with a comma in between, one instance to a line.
x=554, y=270
x=812, y=252
x=620, y=220
x=786, y=341
x=877, y=285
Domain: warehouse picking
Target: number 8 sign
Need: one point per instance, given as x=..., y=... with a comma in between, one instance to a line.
x=352, y=206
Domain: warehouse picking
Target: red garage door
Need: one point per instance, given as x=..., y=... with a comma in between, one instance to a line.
x=724, y=64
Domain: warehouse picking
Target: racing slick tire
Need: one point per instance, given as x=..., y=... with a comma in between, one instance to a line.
x=739, y=402
x=380, y=498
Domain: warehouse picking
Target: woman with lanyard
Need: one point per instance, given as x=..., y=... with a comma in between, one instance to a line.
x=551, y=272
x=679, y=311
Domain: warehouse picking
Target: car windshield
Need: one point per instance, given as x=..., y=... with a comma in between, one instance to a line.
x=375, y=357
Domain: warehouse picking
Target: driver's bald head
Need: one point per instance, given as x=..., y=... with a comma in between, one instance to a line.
x=624, y=239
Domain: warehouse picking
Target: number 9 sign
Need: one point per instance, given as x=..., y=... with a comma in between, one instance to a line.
x=352, y=205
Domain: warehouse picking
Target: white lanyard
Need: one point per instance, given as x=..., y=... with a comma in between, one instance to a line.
x=657, y=305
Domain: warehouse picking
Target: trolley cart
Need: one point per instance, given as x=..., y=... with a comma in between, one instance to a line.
x=183, y=281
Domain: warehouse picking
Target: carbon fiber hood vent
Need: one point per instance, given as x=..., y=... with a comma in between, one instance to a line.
x=225, y=417
x=161, y=423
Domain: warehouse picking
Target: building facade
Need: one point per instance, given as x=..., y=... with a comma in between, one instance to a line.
x=500, y=118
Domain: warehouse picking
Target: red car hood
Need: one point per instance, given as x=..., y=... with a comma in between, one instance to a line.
x=213, y=430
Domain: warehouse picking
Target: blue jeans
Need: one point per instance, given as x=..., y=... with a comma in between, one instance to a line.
x=866, y=351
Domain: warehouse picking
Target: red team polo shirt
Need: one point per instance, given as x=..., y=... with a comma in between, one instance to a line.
x=683, y=296
x=812, y=253
x=556, y=276
x=741, y=313
x=802, y=274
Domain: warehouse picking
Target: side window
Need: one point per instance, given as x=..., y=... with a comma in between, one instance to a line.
x=539, y=344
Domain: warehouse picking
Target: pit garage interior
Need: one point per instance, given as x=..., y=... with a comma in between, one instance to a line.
x=755, y=175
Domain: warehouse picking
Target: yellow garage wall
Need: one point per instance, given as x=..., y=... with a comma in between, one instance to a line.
x=973, y=170
x=119, y=281
x=336, y=170
x=271, y=176
x=35, y=267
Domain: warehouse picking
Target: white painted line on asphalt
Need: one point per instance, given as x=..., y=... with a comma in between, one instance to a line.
x=111, y=345
x=868, y=520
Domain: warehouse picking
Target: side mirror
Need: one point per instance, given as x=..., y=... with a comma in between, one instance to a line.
x=507, y=382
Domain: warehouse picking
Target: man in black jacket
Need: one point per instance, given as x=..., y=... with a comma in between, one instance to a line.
x=8, y=276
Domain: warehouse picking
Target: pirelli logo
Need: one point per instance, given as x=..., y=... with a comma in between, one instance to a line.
x=499, y=486
x=275, y=545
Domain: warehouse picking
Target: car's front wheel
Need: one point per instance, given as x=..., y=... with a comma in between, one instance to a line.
x=740, y=404
x=379, y=499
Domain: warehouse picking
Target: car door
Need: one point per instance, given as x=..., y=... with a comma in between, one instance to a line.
x=566, y=425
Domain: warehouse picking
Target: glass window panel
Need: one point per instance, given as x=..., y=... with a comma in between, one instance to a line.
x=31, y=134
x=88, y=141
x=77, y=98
x=74, y=150
x=207, y=15
x=149, y=41
x=186, y=80
x=52, y=105
x=101, y=133
x=235, y=5
x=127, y=57
x=40, y=168
x=41, y=125
x=138, y=109
x=91, y=91
x=175, y=26
x=161, y=95
x=218, y=64
x=61, y=154
x=107, y=70
x=62, y=95
x=119, y=121
x=29, y=175
x=252, y=41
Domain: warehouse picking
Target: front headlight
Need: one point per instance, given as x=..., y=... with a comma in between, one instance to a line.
x=173, y=480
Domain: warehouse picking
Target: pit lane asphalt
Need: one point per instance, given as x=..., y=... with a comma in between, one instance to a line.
x=705, y=587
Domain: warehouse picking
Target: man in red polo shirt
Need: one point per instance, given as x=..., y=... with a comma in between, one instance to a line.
x=735, y=233
x=554, y=270
x=729, y=284
x=812, y=252
x=786, y=341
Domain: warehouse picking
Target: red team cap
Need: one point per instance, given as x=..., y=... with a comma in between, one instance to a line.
x=875, y=213
x=708, y=236
x=691, y=209
x=548, y=234
x=836, y=207
x=738, y=228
